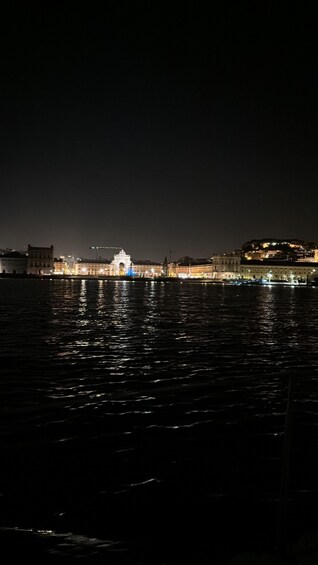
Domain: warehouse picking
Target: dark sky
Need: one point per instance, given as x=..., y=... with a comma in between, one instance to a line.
x=157, y=126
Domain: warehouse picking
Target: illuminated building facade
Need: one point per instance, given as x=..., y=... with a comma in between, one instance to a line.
x=191, y=270
x=146, y=269
x=226, y=266
x=94, y=267
x=65, y=265
x=100, y=268
x=283, y=271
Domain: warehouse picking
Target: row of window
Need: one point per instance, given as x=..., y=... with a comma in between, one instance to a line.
x=40, y=265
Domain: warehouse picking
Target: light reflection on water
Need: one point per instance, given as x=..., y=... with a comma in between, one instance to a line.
x=161, y=383
x=126, y=338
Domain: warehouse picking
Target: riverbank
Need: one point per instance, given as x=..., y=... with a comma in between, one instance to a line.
x=174, y=280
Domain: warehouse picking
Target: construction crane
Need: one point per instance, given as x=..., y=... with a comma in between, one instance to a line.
x=97, y=247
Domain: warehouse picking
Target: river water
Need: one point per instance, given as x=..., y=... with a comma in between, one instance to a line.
x=143, y=422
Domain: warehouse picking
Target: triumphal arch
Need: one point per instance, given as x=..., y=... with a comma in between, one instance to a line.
x=121, y=263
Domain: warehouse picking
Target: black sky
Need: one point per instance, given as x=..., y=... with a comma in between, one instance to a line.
x=157, y=126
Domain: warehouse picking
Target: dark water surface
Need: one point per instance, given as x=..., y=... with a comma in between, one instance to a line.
x=143, y=422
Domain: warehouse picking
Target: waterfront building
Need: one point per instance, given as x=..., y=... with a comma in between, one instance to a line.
x=40, y=260
x=121, y=265
x=146, y=268
x=13, y=263
x=189, y=268
x=60, y=266
x=191, y=271
x=69, y=261
x=226, y=266
x=65, y=265
x=94, y=267
x=283, y=271
x=201, y=270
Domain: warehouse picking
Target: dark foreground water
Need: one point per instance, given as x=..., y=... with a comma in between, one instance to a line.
x=143, y=422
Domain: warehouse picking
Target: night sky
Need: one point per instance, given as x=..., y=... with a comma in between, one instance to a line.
x=162, y=127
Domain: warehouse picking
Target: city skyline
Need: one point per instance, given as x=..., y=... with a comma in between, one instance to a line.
x=245, y=249
x=158, y=128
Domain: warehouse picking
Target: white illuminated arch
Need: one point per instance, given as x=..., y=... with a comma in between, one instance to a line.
x=121, y=258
